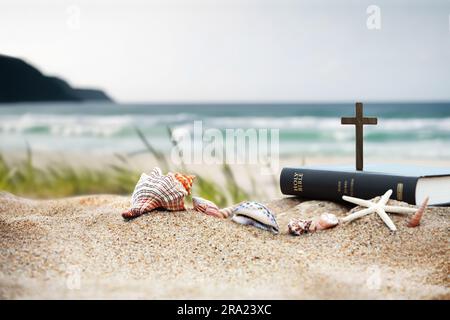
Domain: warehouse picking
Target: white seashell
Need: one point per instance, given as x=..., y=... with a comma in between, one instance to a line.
x=250, y=222
x=325, y=221
x=255, y=214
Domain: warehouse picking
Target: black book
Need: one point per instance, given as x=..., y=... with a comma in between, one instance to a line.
x=408, y=183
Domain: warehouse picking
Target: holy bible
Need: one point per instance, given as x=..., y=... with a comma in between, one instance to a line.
x=408, y=183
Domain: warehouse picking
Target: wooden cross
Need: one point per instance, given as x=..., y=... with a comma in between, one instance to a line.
x=359, y=121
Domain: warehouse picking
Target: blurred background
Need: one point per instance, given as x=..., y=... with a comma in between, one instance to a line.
x=90, y=91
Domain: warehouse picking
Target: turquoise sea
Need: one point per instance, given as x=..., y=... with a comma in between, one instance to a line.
x=404, y=130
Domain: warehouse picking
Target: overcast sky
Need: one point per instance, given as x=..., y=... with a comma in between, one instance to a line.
x=226, y=50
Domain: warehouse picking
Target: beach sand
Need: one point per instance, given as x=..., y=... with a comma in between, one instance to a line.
x=81, y=248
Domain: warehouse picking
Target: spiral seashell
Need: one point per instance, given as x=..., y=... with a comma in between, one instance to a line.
x=185, y=180
x=414, y=221
x=158, y=191
x=207, y=207
x=227, y=212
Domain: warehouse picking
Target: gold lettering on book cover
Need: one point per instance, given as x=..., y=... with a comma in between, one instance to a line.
x=298, y=182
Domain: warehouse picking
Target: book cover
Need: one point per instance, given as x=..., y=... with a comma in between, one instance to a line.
x=409, y=183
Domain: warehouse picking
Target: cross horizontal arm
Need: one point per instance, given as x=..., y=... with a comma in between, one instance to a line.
x=348, y=120
x=370, y=120
x=365, y=120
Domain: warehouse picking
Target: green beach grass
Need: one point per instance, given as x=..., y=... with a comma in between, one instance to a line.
x=58, y=180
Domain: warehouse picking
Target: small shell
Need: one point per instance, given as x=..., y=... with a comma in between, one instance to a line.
x=207, y=207
x=414, y=221
x=156, y=191
x=255, y=214
x=298, y=227
x=325, y=221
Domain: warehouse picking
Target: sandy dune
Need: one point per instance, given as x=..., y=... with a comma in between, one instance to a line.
x=82, y=248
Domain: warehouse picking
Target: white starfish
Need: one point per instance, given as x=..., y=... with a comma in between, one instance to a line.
x=379, y=207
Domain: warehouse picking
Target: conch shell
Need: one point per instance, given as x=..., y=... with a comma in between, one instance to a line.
x=414, y=221
x=325, y=221
x=159, y=191
x=185, y=180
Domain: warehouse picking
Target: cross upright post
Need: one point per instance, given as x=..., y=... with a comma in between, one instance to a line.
x=359, y=121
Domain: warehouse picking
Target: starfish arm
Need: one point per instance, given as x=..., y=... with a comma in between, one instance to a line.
x=360, y=202
x=358, y=214
x=383, y=215
x=396, y=209
x=385, y=197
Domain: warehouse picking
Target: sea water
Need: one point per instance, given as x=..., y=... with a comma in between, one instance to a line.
x=404, y=130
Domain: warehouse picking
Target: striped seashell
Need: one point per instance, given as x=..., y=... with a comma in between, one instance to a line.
x=156, y=191
x=227, y=212
x=207, y=207
x=255, y=214
x=185, y=180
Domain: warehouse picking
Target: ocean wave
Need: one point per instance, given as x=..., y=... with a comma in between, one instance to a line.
x=317, y=129
x=324, y=123
x=313, y=129
x=433, y=150
x=85, y=125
